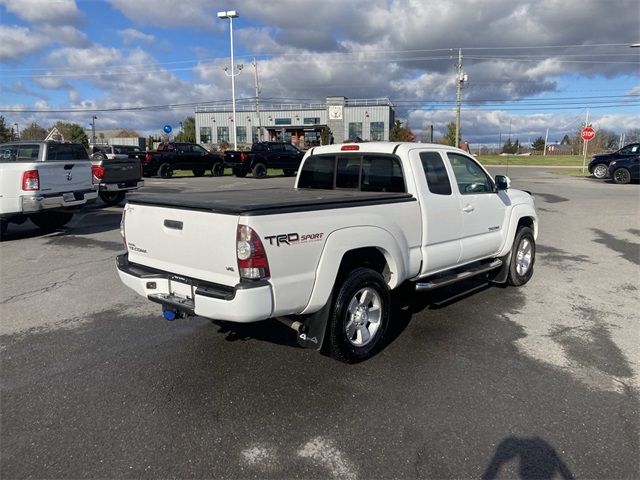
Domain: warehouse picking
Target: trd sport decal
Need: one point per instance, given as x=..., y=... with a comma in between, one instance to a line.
x=293, y=238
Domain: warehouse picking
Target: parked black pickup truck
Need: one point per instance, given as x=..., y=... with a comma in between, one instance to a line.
x=599, y=164
x=262, y=156
x=115, y=176
x=182, y=156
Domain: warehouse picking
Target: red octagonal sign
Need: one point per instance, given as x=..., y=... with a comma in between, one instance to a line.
x=587, y=134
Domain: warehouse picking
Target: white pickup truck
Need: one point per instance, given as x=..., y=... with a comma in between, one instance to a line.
x=43, y=181
x=323, y=256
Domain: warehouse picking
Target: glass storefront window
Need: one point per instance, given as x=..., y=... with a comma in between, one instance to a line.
x=377, y=131
x=355, y=130
x=223, y=134
x=205, y=135
x=241, y=134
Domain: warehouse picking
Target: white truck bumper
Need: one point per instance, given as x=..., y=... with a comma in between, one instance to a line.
x=243, y=303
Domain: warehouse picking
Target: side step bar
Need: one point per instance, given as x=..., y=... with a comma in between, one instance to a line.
x=456, y=277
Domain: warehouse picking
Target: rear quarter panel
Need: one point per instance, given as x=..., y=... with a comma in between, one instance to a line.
x=315, y=241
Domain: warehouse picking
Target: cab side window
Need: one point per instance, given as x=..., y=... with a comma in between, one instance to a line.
x=470, y=177
x=436, y=173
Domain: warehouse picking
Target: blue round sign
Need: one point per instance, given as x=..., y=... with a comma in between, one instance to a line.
x=167, y=129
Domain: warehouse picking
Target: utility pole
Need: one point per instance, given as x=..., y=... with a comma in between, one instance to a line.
x=461, y=77
x=546, y=137
x=255, y=67
x=93, y=129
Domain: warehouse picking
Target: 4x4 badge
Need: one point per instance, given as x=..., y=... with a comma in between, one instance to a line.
x=69, y=176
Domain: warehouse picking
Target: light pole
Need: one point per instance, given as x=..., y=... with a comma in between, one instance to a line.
x=231, y=14
x=17, y=130
x=93, y=130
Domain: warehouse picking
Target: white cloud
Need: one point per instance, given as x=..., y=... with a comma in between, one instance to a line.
x=47, y=12
x=166, y=13
x=18, y=42
x=65, y=35
x=131, y=35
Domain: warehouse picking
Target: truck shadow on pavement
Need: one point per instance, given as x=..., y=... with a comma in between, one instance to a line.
x=537, y=458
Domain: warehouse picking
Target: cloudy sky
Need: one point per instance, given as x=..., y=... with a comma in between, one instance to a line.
x=140, y=64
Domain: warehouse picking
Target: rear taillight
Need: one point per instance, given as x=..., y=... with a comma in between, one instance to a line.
x=98, y=172
x=148, y=157
x=252, y=259
x=244, y=157
x=31, y=180
x=122, y=232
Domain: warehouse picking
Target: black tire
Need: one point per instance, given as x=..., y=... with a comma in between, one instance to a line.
x=3, y=229
x=98, y=156
x=112, y=198
x=165, y=170
x=198, y=172
x=346, y=329
x=217, y=170
x=288, y=172
x=601, y=171
x=523, y=257
x=622, y=176
x=50, y=221
x=259, y=170
x=239, y=172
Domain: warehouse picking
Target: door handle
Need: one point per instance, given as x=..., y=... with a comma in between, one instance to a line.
x=468, y=209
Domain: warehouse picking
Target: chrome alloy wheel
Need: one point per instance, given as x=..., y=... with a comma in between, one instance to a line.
x=364, y=314
x=601, y=171
x=523, y=257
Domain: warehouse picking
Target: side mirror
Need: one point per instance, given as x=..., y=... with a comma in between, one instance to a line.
x=503, y=182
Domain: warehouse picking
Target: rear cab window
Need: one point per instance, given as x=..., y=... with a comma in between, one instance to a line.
x=435, y=173
x=19, y=153
x=66, y=152
x=368, y=172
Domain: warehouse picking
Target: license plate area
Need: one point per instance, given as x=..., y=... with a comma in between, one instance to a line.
x=181, y=289
x=68, y=197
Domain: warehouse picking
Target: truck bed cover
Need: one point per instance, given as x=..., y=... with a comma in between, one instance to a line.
x=268, y=201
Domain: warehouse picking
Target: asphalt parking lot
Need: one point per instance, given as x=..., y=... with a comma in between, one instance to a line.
x=477, y=381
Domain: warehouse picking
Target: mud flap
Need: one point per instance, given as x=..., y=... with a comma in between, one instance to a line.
x=311, y=334
x=502, y=273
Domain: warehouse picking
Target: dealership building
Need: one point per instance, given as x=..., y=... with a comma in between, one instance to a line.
x=299, y=124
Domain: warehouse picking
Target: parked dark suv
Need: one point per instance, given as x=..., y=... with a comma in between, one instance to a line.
x=599, y=164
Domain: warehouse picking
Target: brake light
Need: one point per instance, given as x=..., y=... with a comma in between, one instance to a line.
x=244, y=157
x=98, y=172
x=252, y=258
x=122, y=231
x=148, y=157
x=350, y=147
x=31, y=180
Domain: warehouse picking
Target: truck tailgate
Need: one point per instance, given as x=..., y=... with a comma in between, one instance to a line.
x=195, y=244
x=121, y=170
x=65, y=176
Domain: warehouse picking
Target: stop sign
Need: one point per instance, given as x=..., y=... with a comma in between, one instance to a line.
x=587, y=134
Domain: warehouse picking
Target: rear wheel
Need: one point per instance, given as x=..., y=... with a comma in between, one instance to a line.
x=198, y=172
x=3, y=228
x=99, y=156
x=259, y=170
x=112, y=198
x=50, y=221
x=288, y=172
x=622, y=176
x=165, y=170
x=239, y=172
x=601, y=171
x=359, y=316
x=523, y=256
x=217, y=170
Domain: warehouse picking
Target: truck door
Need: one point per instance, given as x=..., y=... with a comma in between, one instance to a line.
x=442, y=221
x=483, y=211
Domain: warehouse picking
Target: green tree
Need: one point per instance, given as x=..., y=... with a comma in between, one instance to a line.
x=507, y=147
x=6, y=134
x=450, y=136
x=126, y=133
x=188, y=133
x=33, y=132
x=72, y=132
x=398, y=133
x=538, y=144
x=325, y=136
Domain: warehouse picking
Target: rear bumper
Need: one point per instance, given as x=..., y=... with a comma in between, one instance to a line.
x=37, y=203
x=121, y=186
x=244, y=303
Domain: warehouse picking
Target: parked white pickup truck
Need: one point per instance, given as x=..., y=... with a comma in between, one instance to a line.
x=43, y=181
x=362, y=220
